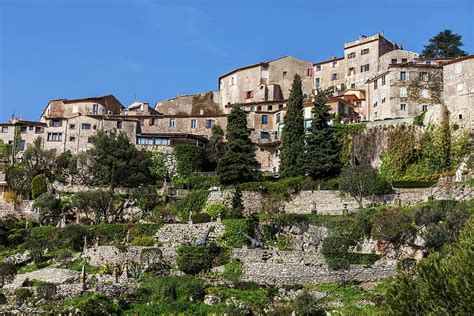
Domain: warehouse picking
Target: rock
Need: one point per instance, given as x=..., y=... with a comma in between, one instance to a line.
x=19, y=258
x=210, y=299
x=51, y=275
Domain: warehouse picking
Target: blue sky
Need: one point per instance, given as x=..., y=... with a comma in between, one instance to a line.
x=154, y=50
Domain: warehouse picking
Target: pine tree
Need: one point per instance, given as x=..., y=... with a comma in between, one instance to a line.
x=239, y=163
x=216, y=147
x=292, y=137
x=444, y=44
x=322, y=148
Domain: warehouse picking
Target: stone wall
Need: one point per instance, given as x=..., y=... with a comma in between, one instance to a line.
x=173, y=235
x=280, y=274
x=275, y=256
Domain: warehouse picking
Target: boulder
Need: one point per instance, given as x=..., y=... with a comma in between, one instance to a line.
x=210, y=299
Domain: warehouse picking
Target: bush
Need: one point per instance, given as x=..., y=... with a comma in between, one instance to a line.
x=11, y=197
x=196, y=182
x=73, y=236
x=216, y=210
x=46, y=290
x=233, y=229
x=39, y=185
x=7, y=272
x=413, y=184
x=171, y=289
x=233, y=270
x=393, y=225
x=335, y=252
x=108, y=233
x=194, y=259
x=201, y=218
x=189, y=159
x=146, y=241
x=194, y=203
x=22, y=295
x=305, y=304
x=91, y=304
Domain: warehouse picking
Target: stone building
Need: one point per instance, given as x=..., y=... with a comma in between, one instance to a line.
x=458, y=91
x=27, y=132
x=404, y=90
x=266, y=81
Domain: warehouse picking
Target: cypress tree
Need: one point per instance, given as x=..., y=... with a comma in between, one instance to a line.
x=239, y=163
x=322, y=148
x=292, y=137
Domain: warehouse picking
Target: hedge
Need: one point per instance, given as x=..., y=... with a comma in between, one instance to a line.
x=233, y=229
x=413, y=184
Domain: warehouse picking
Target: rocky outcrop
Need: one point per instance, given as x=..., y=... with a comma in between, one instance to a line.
x=51, y=275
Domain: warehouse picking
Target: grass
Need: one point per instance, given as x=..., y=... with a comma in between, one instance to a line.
x=350, y=296
x=33, y=267
x=76, y=265
x=256, y=297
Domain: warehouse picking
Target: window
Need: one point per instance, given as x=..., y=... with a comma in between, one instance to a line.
x=119, y=124
x=278, y=117
x=353, y=85
x=423, y=76
x=193, y=123
x=425, y=93
x=458, y=69
x=161, y=141
x=4, y=129
x=86, y=126
x=31, y=128
x=23, y=129
x=375, y=104
x=319, y=67
x=376, y=114
x=270, y=108
x=280, y=106
x=259, y=166
x=144, y=140
x=364, y=68
x=334, y=64
x=209, y=123
x=285, y=73
x=252, y=109
x=404, y=60
x=403, y=75
x=39, y=129
x=460, y=87
x=265, y=119
x=351, y=55
x=317, y=82
x=152, y=122
x=259, y=107
x=364, y=51
x=403, y=107
x=72, y=126
x=264, y=135
x=460, y=116
x=334, y=77
x=232, y=81
x=172, y=122
x=375, y=84
x=56, y=123
x=383, y=99
x=351, y=71
x=72, y=138
x=403, y=92
x=428, y=62
x=309, y=72
x=383, y=81
x=95, y=109
x=89, y=140
x=394, y=61
x=249, y=94
x=22, y=144
x=358, y=104
x=55, y=137
x=424, y=108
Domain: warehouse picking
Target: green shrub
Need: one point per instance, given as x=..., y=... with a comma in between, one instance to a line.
x=306, y=304
x=194, y=203
x=73, y=236
x=413, y=184
x=146, y=241
x=216, y=210
x=39, y=185
x=108, y=233
x=233, y=229
x=169, y=289
x=22, y=294
x=189, y=159
x=393, y=225
x=7, y=272
x=90, y=304
x=46, y=290
x=201, y=218
x=335, y=252
x=233, y=270
x=194, y=259
x=196, y=182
